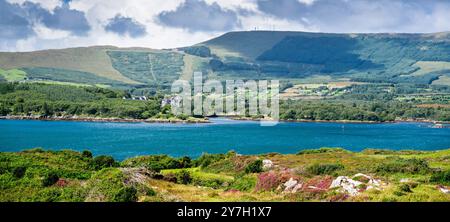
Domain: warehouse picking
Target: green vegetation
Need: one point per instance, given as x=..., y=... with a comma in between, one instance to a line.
x=377, y=103
x=59, y=100
x=13, y=75
x=157, y=69
x=288, y=56
x=39, y=175
x=322, y=169
x=254, y=167
x=65, y=75
x=399, y=165
x=442, y=177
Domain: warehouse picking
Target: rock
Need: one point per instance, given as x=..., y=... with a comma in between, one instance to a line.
x=405, y=180
x=290, y=184
x=297, y=188
x=346, y=184
x=353, y=187
x=267, y=165
x=444, y=189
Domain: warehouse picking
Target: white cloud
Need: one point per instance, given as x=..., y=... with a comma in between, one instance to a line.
x=312, y=15
x=43, y=32
x=47, y=4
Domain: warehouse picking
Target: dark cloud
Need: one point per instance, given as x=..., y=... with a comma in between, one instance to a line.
x=64, y=18
x=17, y=21
x=197, y=15
x=125, y=26
x=360, y=15
x=13, y=23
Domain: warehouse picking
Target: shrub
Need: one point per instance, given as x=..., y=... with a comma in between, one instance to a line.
x=267, y=181
x=19, y=172
x=207, y=159
x=399, y=165
x=50, y=179
x=86, y=154
x=185, y=162
x=318, y=184
x=399, y=193
x=183, y=177
x=245, y=183
x=321, y=169
x=254, y=167
x=158, y=162
x=126, y=194
x=155, y=166
x=170, y=177
x=101, y=162
x=149, y=191
x=442, y=177
x=404, y=188
x=322, y=150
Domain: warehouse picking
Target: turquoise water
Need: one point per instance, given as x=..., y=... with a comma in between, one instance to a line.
x=123, y=140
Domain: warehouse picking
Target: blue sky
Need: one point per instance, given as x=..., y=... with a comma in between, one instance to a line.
x=42, y=24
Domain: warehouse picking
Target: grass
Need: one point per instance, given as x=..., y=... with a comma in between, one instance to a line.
x=13, y=75
x=443, y=80
x=429, y=66
x=223, y=180
x=83, y=59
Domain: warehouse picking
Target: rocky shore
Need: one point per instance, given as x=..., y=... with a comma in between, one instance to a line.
x=102, y=119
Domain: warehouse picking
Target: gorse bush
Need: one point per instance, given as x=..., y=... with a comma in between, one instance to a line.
x=207, y=159
x=149, y=191
x=183, y=177
x=126, y=194
x=322, y=169
x=101, y=162
x=404, y=188
x=442, y=177
x=254, y=167
x=243, y=183
x=86, y=154
x=321, y=150
x=399, y=165
x=50, y=178
x=158, y=162
x=19, y=172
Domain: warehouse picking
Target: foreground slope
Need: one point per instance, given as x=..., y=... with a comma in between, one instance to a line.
x=311, y=175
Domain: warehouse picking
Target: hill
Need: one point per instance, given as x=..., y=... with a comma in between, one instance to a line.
x=288, y=56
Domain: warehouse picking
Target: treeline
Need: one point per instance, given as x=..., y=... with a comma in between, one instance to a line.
x=359, y=111
x=61, y=100
x=47, y=100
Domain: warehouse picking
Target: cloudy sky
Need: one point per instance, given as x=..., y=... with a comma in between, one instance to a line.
x=27, y=25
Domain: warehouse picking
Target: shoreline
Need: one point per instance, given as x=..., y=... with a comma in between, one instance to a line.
x=107, y=120
x=206, y=120
x=344, y=121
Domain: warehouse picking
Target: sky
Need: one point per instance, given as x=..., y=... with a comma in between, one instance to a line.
x=27, y=25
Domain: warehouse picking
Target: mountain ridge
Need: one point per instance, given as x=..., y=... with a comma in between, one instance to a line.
x=285, y=55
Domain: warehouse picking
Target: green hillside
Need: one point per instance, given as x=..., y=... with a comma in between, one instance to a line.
x=293, y=57
x=362, y=57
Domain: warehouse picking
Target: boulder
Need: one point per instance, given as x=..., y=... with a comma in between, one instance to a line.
x=443, y=189
x=345, y=184
x=267, y=165
x=353, y=187
x=290, y=184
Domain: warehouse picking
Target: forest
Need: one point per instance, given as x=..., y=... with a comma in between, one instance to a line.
x=363, y=103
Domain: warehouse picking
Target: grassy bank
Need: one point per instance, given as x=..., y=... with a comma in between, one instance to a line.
x=310, y=175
